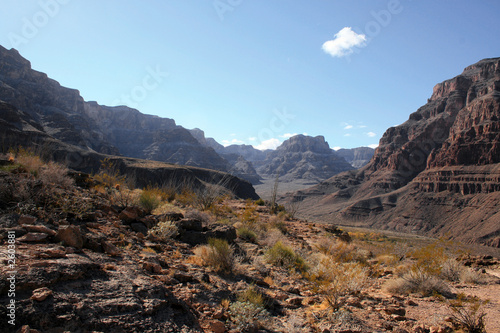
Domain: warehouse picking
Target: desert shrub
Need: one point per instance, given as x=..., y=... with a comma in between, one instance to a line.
x=429, y=259
x=451, y=270
x=186, y=197
x=171, y=188
x=165, y=230
x=270, y=238
x=252, y=295
x=150, y=199
x=388, y=259
x=195, y=214
x=468, y=313
x=247, y=234
x=293, y=207
x=249, y=216
x=468, y=275
x=221, y=210
x=109, y=175
x=421, y=282
x=335, y=280
x=284, y=256
x=213, y=192
x=277, y=222
x=342, y=252
x=260, y=202
x=295, y=324
x=166, y=208
x=29, y=160
x=55, y=174
x=218, y=255
x=123, y=197
x=247, y=317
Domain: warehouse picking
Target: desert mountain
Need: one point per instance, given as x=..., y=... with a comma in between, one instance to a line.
x=64, y=114
x=357, y=157
x=305, y=158
x=437, y=174
x=238, y=164
x=37, y=111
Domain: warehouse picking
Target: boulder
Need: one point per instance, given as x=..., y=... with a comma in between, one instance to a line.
x=71, y=235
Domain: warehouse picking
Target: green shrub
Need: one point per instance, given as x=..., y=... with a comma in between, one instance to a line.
x=218, y=254
x=246, y=234
x=284, y=256
x=252, y=295
x=260, y=202
x=149, y=199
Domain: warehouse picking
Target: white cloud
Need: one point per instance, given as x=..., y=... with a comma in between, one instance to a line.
x=226, y=143
x=336, y=148
x=268, y=144
x=371, y=134
x=348, y=127
x=348, y=134
x=363, y=126
x=288, y=135
x=375, y=145
x=252, y=138
x=343, y=43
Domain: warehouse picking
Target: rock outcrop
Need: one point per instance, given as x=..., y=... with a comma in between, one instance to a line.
x=304, y=157
x=435, y=174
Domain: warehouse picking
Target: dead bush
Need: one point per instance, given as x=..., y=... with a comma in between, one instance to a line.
x=468, y=275
x=55, y=174
x=419, y=282
x=467, y=313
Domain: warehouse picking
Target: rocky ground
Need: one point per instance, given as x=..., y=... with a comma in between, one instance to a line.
x=92, y=257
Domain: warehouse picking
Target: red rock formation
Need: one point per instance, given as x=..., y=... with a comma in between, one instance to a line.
x=446, y=155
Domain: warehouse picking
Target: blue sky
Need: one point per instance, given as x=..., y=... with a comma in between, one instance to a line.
x=257, y=71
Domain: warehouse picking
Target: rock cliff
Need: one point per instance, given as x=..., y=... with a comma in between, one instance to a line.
x=64, y=114
x=437, y=173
